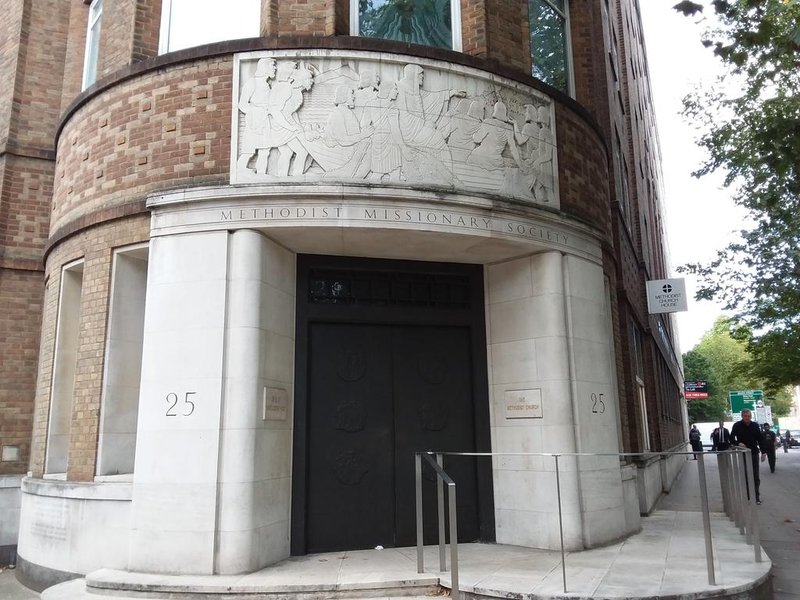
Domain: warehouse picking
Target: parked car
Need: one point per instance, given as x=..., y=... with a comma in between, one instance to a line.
x=793, y=435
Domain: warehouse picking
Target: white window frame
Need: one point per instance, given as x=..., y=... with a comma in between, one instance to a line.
x=455, y=23
x=113, y=463
x=568, y=36
x=64, y=366
x=92, y=50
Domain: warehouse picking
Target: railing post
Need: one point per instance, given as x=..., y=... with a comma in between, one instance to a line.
x=740, y=490
x=420, y=541
x=753, y=536
x=440, y=502
x=451, y=496
x=723, y=483
x=561, y=526
x=701, y=471
x=750, y=493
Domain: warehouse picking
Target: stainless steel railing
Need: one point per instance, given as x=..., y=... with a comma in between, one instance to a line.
x=441, y=479
x=735, y=473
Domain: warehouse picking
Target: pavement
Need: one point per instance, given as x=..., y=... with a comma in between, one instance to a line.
x=778, y=515
x=665, y=560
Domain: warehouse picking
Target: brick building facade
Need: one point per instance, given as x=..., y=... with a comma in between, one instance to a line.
x=170, y=301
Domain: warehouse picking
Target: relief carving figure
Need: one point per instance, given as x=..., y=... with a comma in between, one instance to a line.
x=372, y=121
x=461, y=127
x=367, y=92
x=428, y=154
x=385, y=158
x=344, y=134
x=544, y=187
x=492, y=138
x=536, y=143
x=286, y=129
x=254, y=103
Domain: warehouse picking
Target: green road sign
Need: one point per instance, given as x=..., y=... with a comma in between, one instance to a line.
x=748, y=399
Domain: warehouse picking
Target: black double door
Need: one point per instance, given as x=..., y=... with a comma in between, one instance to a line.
x=377, y=395
x=374, y=394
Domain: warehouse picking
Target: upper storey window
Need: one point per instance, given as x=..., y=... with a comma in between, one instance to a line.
x=92, y=43
x=549, y=20
x=188, y=23
x=427, y=22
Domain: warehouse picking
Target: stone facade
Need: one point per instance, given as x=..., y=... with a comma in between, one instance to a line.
x=151, y=228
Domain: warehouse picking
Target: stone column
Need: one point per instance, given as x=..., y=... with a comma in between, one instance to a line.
x=176, y=472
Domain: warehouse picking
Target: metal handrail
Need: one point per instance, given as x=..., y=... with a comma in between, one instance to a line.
x=735, y=471
x=441, y=477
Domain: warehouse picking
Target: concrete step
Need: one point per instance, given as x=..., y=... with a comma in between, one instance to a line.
x=77, y=589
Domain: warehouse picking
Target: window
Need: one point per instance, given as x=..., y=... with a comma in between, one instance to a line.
x=637, y=349
x=189, y=23
x=123, y=365
x=550, y=53
x=65, y=362
x=92, y=43
x=427, y=22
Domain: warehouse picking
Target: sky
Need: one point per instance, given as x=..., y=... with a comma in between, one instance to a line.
x=700, y=215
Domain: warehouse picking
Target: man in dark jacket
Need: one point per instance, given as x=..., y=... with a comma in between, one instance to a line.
x=720, y=438
x=769, y=445
x=747, y=434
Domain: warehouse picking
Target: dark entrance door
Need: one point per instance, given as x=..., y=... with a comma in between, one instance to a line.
x=379, y=383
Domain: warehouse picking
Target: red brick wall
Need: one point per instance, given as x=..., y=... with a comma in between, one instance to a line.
x=583, y=177
x=10, y=26
x=147, y=26
x=497, y=29
x=168, y=128
x=21, y=301
x=306, y=17
x=37, y=91
x=33, y=37
x=76, y=41
x=26, y=187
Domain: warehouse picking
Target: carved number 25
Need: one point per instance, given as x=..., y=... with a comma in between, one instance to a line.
x=188, y=405
x=598, y=406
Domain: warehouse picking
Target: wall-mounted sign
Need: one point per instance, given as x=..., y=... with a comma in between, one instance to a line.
x=275, y=405
x=666, y=296
x=523, y=404
x=695, y=390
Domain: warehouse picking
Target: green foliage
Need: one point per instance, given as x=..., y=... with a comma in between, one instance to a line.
x=723, y=358
x=752, y=133
x=548, y=43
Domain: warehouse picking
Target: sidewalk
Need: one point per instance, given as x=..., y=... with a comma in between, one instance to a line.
x=665, y=560
x=778, y=516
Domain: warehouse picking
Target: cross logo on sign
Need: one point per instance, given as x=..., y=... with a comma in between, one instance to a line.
x=667, y=288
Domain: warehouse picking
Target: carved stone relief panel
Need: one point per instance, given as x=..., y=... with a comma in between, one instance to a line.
x=326, y=116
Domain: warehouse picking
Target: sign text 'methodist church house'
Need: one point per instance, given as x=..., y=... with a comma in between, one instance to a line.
x=245, y=277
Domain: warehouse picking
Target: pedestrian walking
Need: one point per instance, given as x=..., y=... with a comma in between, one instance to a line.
x=720, y=438
x=695, y=440
x=787, y=436
x=770, y=439
x=747, y=434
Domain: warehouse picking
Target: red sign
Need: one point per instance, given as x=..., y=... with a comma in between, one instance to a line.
x=696, y=395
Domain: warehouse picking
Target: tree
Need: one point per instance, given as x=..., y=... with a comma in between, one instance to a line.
x=723, y=359
x=753, y=135
x=714, y=408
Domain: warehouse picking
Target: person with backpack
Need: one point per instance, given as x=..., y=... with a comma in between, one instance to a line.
x=695, y=441
x=770, y=439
